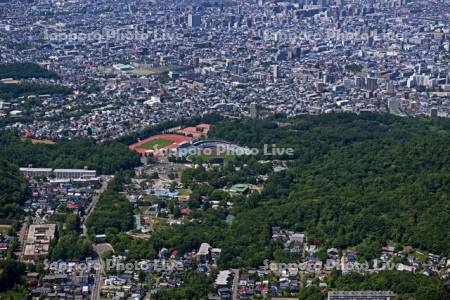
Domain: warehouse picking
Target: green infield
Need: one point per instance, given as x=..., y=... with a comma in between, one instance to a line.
x=156, y=144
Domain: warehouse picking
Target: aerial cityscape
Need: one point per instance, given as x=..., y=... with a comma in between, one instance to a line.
x=225, y=149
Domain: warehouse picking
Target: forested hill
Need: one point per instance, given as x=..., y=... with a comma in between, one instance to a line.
x=354, y=181
x=13, y=189
x=25, y=71
x=106, y=158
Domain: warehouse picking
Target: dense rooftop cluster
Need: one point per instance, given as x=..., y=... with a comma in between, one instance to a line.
x=136, y=63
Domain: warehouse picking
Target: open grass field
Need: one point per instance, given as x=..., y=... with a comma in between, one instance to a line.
x=156, y=144
x=4, y=229
x=151, y=71
x=144, y=71
x=184, y=192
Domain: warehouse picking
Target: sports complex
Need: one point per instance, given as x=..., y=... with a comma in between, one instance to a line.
x=185, y=142
x=158, y=145
x=209, y=148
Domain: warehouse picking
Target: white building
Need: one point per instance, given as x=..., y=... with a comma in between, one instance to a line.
x=74, y=173
x=36, y=172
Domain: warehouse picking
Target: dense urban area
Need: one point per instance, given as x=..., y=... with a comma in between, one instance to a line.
x=122, y=66
x=225, y=149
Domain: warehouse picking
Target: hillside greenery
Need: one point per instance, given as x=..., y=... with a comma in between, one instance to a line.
x=69, y=244
x=25, y=70
x=406, y=285
x=13, y=190
x=354, y=181
x=359, y=181
x=11, y=273
x=194, y=287
x=13, y=90
x=106, y=158
x=113, y=210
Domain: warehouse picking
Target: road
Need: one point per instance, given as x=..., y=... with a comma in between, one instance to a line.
x=22, y=240
x=96, y=289
x=235, y=288
x=99, y=272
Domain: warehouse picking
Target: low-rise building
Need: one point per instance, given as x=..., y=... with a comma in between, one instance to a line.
x=361, y=295
x=38, y=241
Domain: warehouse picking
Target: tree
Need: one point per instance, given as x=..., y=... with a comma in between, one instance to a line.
x=72, y=246
x=11, y=274
x=106, y=158
x=13, y=190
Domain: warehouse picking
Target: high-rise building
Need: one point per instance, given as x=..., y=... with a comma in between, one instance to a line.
x=328, y=78
x=320, y=86
x=371, y=83
x=104, y=51
x=196, y=61
x=254, y=110
x=390, y=88
x=348, y=83
x=275, y=72
x=422, y=68
x=249, y=22
x=394, y=105
x=434, y=112
x=370, y=41
x=282, y=55
x=360, y=83
x=194, y=20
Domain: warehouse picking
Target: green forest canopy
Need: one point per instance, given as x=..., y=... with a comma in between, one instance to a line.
x=354, y=181
x=113, y=210
x=25, y=70
x=405, y=284
x=15, y=90
x=106, y=158
x=13, y=190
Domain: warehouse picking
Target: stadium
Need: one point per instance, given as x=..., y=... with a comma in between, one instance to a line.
x=211, y=148
x=159, y=145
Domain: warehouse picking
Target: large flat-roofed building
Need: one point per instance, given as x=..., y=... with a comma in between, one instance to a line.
x=204, y=253
x=223, y=278
x=59, y=173
x=36, y=172
x=38, y=241
x=123, y=67
x=361, y=295
x=74, y=173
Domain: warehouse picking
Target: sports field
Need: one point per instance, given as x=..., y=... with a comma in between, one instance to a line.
x=156, y=144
